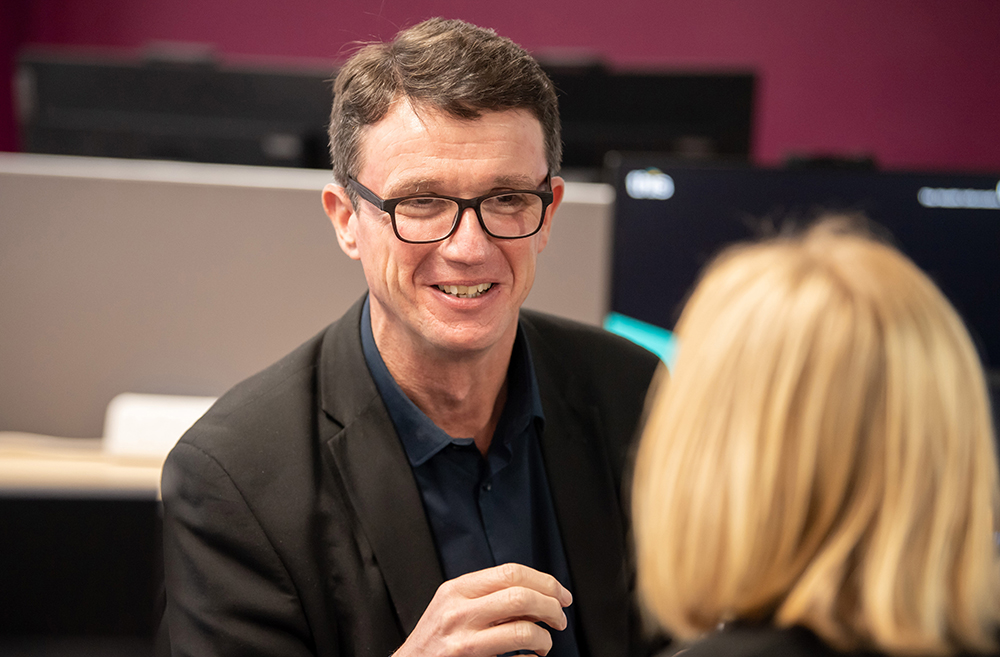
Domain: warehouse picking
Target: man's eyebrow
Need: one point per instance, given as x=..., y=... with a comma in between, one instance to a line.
x=516, y=182
x=433, y=185
x=413, y=186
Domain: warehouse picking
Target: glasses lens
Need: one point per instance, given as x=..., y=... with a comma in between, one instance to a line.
x=429, y=218
x=512, y=215
x=425, y=218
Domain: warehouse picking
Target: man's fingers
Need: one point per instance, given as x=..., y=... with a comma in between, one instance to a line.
x=518, y=603
x=510, y=575
x=515, y=635
x=491, y=612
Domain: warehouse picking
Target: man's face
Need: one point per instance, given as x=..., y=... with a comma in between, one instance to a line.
x=411, y=303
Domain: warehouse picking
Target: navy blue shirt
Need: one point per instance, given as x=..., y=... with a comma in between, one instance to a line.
x=487, y=511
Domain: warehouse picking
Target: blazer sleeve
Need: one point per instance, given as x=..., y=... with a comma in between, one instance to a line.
x=228, y=592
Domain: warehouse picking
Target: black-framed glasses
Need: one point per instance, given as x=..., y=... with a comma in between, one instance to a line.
x=424, y=218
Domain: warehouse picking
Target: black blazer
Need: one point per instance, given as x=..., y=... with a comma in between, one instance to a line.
x=293, y=524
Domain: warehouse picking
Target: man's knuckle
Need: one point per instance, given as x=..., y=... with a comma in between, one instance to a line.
x=451, y=618
x=522, y=635
x=526, y=634
x=508, y=573
x=447, y=587
x=453, y=645
x=517, y=597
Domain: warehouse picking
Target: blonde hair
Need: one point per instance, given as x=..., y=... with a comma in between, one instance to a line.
x=822, y=455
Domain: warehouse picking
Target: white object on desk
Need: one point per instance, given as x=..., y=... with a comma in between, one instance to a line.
x=139, y=431
x=149, y=425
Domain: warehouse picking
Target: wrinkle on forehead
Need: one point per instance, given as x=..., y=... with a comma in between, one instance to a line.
x=425, y=149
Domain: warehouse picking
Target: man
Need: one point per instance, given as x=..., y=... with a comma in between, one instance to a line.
x=438, y=470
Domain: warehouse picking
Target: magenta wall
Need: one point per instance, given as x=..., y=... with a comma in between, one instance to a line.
x=914, y=82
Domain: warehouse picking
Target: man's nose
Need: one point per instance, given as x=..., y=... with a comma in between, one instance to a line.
x=469, y=242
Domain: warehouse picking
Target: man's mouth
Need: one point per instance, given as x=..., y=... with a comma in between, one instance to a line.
x=465, y=291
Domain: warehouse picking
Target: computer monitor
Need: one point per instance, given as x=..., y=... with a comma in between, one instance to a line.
x=180, y=103
x=697, y=115
x=82, y=573
x=165, y=107
x=670, y=220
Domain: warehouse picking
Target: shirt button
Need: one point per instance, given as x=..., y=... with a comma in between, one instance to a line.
x=488, y=486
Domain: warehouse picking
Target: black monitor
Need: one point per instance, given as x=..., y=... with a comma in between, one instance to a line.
x=697, y=115
x=80, y=573
x=173, y=108
x=670, y=220
x=184, y=105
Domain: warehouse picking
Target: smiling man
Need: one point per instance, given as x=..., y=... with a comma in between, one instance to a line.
x=438, y=472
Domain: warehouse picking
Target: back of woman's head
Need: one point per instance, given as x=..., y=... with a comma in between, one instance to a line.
x=822, y=454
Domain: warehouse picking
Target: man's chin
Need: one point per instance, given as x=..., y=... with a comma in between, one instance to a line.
x=470, y=337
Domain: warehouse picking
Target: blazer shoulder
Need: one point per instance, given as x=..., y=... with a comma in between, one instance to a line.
x=256, y=398
x=275, y=415
x=267, y=418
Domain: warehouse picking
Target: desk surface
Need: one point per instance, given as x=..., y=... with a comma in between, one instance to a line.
x=33, y=464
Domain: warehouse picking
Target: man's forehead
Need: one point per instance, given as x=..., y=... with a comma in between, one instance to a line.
x=422, y=148
x=417, y=117
x=427, y=113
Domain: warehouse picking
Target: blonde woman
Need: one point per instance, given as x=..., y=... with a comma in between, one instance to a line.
x=819, y=476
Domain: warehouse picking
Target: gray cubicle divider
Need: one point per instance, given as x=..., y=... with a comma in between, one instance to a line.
x=182, y=278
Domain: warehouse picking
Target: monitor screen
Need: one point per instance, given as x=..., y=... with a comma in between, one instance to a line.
x=706, y=116
x=81, y=573
x=670, y=221
x=148, y=108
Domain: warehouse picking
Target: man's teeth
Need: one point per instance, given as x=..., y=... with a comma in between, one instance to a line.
x=465, y=291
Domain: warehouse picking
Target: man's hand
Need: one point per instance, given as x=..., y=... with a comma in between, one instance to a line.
x=490, y=612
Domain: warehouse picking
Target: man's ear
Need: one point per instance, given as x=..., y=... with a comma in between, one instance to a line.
x=558, y=189
x=339, y=208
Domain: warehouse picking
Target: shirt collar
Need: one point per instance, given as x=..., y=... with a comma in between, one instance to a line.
x=421, y=438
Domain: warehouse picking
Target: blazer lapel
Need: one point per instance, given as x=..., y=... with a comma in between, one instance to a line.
x=588, y=510
x=376, y=474
x=380, y=485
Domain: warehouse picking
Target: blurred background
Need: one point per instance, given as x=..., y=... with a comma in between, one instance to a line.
x=910, y=82
x=161, y=234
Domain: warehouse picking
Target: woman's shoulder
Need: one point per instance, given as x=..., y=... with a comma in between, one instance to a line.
x=763, y=641
x=757, y=641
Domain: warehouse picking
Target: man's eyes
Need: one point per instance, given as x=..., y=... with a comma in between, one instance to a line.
x=509, y=201
x=424, y=206
x=423, y=201
x=434, y=203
